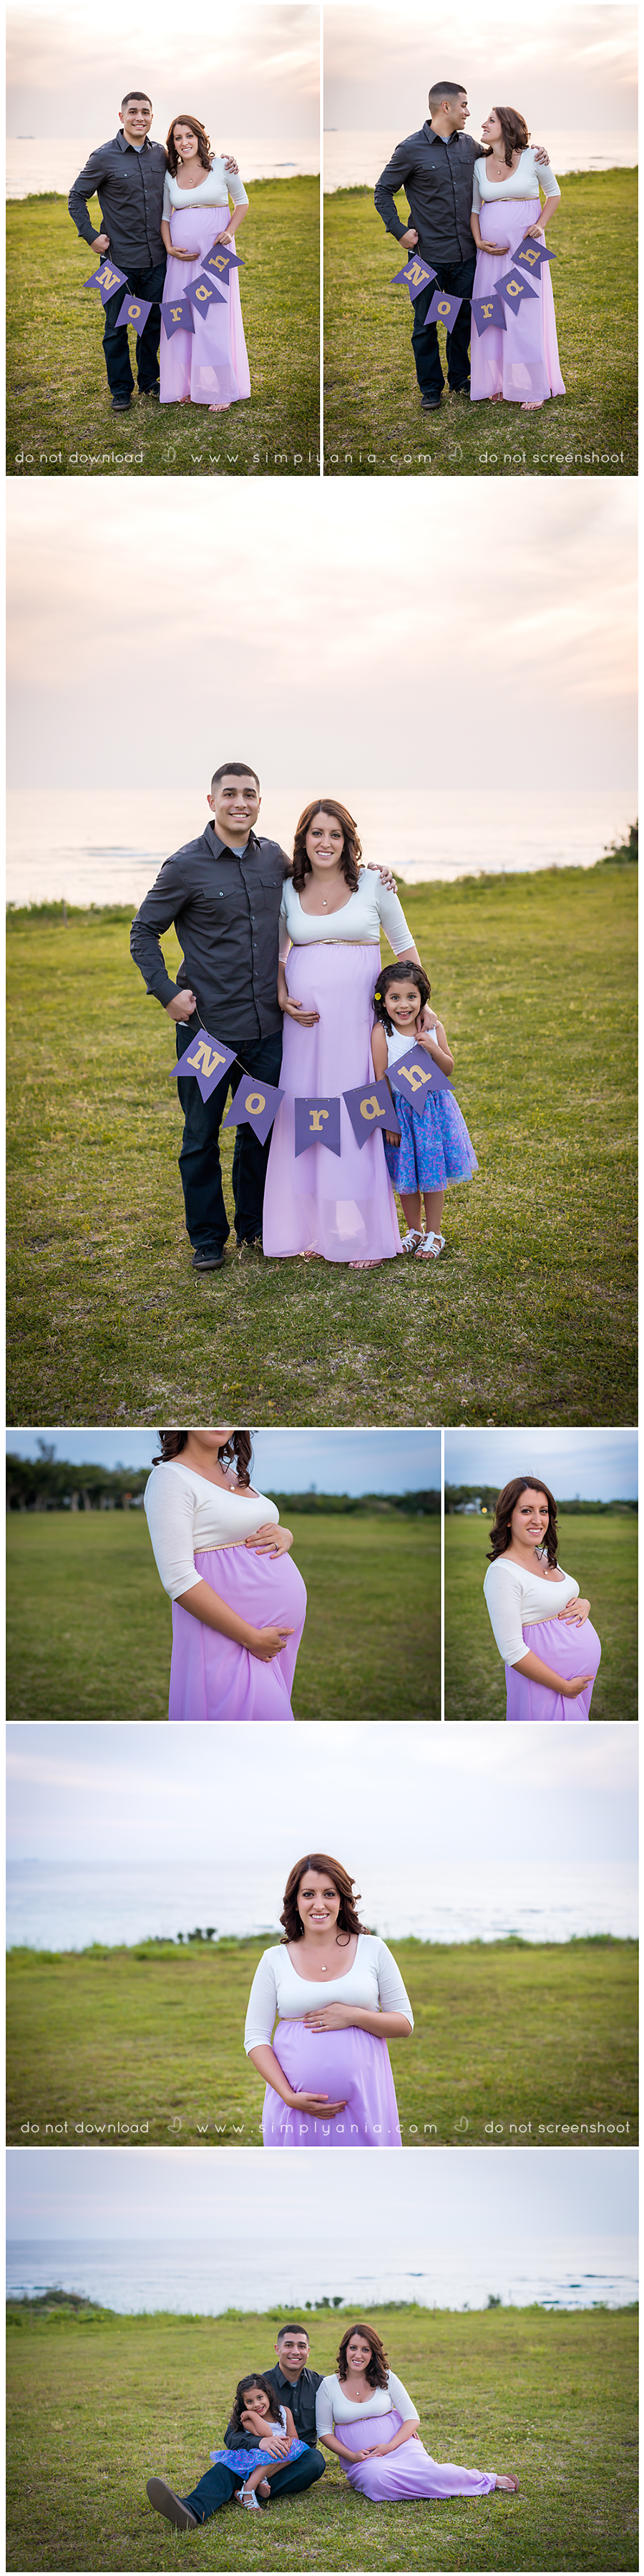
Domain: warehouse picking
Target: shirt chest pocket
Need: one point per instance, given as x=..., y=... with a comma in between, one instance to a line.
x=267, y=896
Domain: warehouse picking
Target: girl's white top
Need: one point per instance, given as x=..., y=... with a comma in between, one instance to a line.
x=184, y=1512
x=268, y=2427
x=332, y=2406
x=373, y=1983
x=360, y=918
x=214, y=190
x=516, y=1600
x=398, y=1044
x=522, y=182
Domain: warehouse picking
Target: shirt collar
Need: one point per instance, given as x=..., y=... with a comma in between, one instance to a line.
x=433, y=137
x=222, y=849
x=290, y=2383
x=129, y=147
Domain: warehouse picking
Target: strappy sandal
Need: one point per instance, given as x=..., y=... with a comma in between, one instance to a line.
x=411, y=1240
x=431, y=1247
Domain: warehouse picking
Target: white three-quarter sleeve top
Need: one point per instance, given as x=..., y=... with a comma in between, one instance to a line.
x=516, y=1600
x=525, y=181
x=360, y=918
x=373, y=1982
x=185, y=1513
x=333, y=2407
x=215, y=189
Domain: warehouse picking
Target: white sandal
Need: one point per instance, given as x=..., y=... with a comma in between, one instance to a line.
x=411, y=1240
x=431, y=1247
x=247, y=2496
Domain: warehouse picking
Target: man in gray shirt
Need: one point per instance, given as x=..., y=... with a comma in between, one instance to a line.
x=436, y=169
x=128, y=176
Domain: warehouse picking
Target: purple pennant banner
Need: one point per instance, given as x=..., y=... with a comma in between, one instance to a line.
x=134, y=310
x=533, y=254
x=415, y=1075
x=107, y=279
x=207, y=1059
x=317, y=1122
x=177, y=317
x=488, y=314
x=370, y=1106
x=516, y=290
x=202, y=292
x=255, y=1105
x=444, y=308
x=220, y=259
x=416, y=275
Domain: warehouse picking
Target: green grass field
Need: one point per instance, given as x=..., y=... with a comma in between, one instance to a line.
x=528, y=1317
x=536, y=2039
x=89, y=1632
x=373, y=423
x=98, y=2403
x=601, y=1553
x=59, y=417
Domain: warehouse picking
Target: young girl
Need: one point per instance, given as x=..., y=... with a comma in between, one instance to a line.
x=434, y=1146
x=255, y=2413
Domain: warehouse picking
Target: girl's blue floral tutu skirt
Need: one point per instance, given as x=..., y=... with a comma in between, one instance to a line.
x=244, y=2461
x=434, y=1145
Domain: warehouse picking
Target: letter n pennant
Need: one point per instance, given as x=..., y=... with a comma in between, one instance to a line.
x=207, y=1059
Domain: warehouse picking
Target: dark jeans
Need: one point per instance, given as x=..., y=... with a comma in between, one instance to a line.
x=149, y=284
x=219, y=2483
x=199, y=1164
x=456, y=278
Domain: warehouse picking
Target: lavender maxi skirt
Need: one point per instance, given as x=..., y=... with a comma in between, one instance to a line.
x=568, y=1651
x=522, y=363
x=210, y=364
x=348, y=2065
x=408, y=2472
x=211, y=1677
x=340, y=1205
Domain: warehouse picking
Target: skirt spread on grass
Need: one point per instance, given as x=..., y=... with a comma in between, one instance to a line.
x=568, y=1651
x=434, y=1146
x=209, y=364
x=409, y=2471
x=339, y=1205
x=247, y=2460
x=522, y=363
x=212, y=1677
x=350, y=2066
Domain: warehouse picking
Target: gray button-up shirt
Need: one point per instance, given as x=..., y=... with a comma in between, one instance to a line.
x=437, y=174
x=129, y=186
x=225, y=911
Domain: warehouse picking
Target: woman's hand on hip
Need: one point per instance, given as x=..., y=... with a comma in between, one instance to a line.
x=294, y=1011
x=573, y=1690
x=575, y=1613
x=266, y=1643
x=329, y=2017
x=270, y=1541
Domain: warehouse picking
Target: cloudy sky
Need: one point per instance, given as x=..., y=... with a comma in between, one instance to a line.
x=364, y=628
x=247, y=71
x=548, y=1793
x=568, y=68
x=600, y=1466
x=338, y=1462
x=72, y=2194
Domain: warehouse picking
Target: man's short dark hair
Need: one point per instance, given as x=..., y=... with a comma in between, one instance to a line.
x=233, y=769
x=135, y=93
x=447, y=89
x=294, y=2328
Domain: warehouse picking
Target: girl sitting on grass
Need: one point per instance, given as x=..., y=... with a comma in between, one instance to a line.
x=433, y=1146
x=254, y=2413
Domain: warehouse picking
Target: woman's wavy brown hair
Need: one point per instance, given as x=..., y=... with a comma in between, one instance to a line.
x=351, y=847
x=377, y=2371
x=203, y=142
x=500, y=1535
x=515, y=139
x=238, y=1447
x=347, y=1918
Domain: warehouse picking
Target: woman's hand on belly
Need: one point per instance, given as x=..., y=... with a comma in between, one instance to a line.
x=494, y=250
x=317, y=2103
x=330, y=2017
x=270, y=1541
x=265, y=1643
x=184, y=254
x=575, y=1613
x=294, y=1011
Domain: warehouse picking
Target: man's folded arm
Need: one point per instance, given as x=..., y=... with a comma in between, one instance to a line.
x=86, y=186
x=155, y=915
x=394, y=177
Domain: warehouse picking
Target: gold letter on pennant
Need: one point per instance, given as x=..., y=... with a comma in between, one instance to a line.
x=414, y=1075
x=255, y=1103
x=369, y=1108
x=205, y=1058
x=316, y=1116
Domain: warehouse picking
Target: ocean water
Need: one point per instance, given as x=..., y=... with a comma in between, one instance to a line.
x=197, y=2278
x=38, y=163
x=106, y=845
x=354, y=159
x=64, y=1905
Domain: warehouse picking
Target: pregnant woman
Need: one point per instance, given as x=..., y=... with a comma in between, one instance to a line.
x=208, y=363
x=542, y=1629
x=238, y=1604
x=340, y=1205
x=520, y=364
x=364, y=2414
x=339, y=1997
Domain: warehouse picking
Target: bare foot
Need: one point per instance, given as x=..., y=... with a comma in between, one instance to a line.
x=263, y=2488
x=511, y=2485
x=364, y=1265
x=531, y=406
x=311, y=1253
x=497, y=397
x=219, y=406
